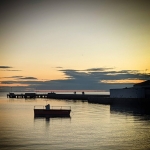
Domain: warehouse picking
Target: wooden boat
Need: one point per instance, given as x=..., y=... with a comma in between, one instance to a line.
x=54, y=111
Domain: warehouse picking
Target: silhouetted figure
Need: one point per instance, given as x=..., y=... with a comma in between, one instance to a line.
x=47, y=107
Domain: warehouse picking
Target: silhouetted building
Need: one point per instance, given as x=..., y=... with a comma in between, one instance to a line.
x=144, y=85
x=140, y=90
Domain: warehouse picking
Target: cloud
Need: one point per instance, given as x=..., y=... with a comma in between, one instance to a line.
x=22, y=77
x=21, y=82
x=11, y=77
x=12, y=70
x=5, y=67
x=16, y=77
x=101, y=74
x=98, y=69
x=89, y=79
x=28, y=78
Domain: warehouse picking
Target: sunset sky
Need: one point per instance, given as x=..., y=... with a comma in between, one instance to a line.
x=74, y=44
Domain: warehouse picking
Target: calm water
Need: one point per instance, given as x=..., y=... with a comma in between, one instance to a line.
x=91, y=127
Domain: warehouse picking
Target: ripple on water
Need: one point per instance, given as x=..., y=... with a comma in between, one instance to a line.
x=91, y=126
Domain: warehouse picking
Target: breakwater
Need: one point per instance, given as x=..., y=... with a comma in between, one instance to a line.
x=99, y=99
x=141, y=105
x=121, y=101
x=56, y=96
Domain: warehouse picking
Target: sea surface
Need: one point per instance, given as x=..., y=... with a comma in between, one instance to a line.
x=90, y=127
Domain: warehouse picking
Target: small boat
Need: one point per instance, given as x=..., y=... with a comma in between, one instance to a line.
x=54, y=111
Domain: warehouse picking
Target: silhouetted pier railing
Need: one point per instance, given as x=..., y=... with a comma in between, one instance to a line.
x=55, y=96
x=27, y=95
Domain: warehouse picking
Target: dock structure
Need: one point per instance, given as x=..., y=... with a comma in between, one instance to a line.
x=55, y=96
x=142, y=103
x=26, y=95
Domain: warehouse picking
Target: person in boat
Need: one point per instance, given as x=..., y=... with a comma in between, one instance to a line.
x=47, y=107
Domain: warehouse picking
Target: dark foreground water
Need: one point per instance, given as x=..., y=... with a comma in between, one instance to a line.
x=91, y=127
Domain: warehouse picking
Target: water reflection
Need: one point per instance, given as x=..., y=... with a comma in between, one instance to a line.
x=91, y=126
x=144, y=114
x=48, y=119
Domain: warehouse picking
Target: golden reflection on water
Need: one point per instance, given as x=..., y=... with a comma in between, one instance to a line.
x=91, y=126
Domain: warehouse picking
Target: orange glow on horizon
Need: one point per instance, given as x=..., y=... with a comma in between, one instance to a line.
x=122, y=81
x=13, y=85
